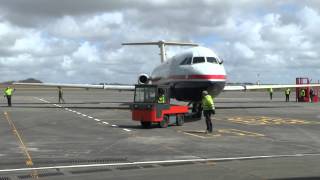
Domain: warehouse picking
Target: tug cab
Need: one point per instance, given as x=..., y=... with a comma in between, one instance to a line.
x=152, y=106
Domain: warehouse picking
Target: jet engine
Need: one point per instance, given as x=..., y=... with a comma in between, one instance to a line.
x=143, y=79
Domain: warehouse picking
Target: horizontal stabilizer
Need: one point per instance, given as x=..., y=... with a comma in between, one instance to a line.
x=159, y=43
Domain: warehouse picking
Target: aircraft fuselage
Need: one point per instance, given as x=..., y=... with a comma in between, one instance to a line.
x=191, y=72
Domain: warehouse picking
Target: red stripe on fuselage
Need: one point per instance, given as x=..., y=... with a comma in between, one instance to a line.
x=193, y=77
x=198, y=76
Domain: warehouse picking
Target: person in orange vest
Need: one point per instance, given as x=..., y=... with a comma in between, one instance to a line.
x=8, y=92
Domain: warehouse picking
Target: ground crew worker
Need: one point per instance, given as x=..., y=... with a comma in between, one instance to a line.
x=8, y=93
x=311, y=95
x=208, y=109
x=287, y=93
x=161, y=98
x=270, y=92
x=60, y=94
x=302, y=94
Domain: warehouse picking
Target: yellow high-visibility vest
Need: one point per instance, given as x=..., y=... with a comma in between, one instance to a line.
x=302, y=93
x=271, y=90
x=207, y=103
x=162, y=99
x=8, y=91
x=288, y=91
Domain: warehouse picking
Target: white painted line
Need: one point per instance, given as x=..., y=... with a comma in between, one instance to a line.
x=78, y=113
x=158, y=162
x=41, y=99
x=105, y=122
x=97, y=119
x=128, y=130
x=90, y=117
x=113, y=125
x=84, y=115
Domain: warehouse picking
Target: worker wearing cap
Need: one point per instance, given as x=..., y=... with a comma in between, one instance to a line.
x=8, y=92
x=208, y=109
x=287, y=93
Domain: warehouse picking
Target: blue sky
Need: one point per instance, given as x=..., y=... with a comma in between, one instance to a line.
x=65, y=42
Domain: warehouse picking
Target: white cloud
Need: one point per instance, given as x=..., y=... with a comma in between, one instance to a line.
x=81, y=42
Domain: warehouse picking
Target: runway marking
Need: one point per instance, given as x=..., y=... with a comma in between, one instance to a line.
x=222, y=132
x=264, y=120
x=84, y=115
x=162, y=162
x=22, y=145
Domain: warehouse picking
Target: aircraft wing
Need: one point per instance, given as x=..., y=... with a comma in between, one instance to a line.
x=256, y=87
x=90, y=86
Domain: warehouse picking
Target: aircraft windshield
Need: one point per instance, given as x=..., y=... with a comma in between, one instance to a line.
x=186, y=61
x=198, y=60
x=212, y=60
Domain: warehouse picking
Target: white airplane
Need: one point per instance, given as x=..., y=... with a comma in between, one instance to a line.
x=187, y=73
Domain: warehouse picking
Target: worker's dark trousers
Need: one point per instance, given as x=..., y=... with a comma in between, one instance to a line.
x=207, y=115
x=9, y=100
x=287, y=98
x=270, y=96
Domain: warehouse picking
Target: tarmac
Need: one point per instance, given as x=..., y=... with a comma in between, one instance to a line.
x=92, y=136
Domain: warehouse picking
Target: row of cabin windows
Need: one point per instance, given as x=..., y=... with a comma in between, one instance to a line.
x=197, y=60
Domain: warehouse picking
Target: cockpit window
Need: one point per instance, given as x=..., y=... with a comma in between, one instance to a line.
x=186, y=61
x=198, y=60
x=212, y=60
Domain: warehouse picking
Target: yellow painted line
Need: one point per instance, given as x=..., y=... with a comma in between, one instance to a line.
x=264, y=120
x=29, y=162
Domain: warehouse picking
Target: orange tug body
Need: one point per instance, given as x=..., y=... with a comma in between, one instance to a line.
x=148, y=111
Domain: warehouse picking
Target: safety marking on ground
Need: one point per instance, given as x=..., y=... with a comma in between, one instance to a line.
x=23, y=147
x=81, y=114
x=159, y=162
x=222, y=132
x=264, y=120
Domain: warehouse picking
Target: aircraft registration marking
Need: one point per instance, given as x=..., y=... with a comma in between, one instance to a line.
x=264, y=120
